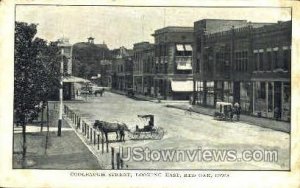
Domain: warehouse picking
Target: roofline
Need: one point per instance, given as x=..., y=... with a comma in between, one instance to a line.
x=169, y=29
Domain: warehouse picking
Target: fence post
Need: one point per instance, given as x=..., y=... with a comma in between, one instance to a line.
x=121, y=163
x=94, y=137
x=85, y=129
x=98, y=139
x=78, y=123
x=112, y=158
x=118, y=160
x=102, y=143
x=88, y=131
x=107, y=146
x=91, y=135
x=82, y=126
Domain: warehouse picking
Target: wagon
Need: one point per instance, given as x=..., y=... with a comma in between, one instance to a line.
x=148, y=131
x=223, y=111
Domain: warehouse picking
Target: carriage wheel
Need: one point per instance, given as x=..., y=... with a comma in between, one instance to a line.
x=134, y=135
x=161, y=133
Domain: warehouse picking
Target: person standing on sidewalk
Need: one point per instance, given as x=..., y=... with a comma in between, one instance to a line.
x=276, y=113
x=237, y=109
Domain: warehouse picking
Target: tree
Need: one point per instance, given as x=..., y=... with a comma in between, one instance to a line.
x=35, y=76
x=87, y=59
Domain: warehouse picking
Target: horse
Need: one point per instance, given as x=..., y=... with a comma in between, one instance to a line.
x=100, y=91
x=108, y=127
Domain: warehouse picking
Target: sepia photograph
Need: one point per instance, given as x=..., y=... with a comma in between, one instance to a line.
x=123, y=89
x=152, y=88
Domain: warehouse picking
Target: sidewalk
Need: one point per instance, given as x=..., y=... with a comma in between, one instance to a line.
x=262, y=122
x=148, y=98
x=52, y=152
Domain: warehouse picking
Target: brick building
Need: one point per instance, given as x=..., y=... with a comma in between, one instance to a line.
x=173, y=62
x=239, y=61
x=143, y=68
x=122, y=67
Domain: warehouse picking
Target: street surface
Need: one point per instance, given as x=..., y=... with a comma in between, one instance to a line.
x=187, y=131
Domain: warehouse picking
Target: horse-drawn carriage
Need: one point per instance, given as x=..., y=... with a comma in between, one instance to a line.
x=224, y=111
x=149, y=131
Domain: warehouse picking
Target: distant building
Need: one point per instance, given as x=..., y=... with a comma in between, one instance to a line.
x=244, y=62
x=122, y=69
x=66, y=51
x=173, y=62
x=143, y=68
x=91, y=60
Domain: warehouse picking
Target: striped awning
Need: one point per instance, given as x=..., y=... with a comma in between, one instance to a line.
x=74, y=79
x=182, y=86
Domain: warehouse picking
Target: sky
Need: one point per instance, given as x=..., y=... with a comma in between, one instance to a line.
x=124, y=26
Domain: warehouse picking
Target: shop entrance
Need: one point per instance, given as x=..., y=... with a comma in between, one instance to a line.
x=277, y=97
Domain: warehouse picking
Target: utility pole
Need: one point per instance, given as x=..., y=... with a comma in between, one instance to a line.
x=61, y=93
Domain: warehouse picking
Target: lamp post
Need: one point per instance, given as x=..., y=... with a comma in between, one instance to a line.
x=61, y=93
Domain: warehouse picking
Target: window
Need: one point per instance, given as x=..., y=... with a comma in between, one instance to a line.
x=262, y=90
x=286, y=59
x=241, y=61
x=197, y=68
x=275, y=58
x=261, y=61
x=183, y=50
x=270, y=97
x=269, y=61
x=256, y=61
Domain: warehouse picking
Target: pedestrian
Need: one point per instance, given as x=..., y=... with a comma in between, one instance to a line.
x=189, y=111
x=231, y=113
x=102, y=92
x=237, y=109
x=158, y=97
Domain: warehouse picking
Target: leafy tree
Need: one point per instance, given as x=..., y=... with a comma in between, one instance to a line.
x=35, y=77
x=87, y=59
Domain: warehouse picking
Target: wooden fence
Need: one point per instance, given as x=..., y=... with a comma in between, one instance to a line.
x=94, y=137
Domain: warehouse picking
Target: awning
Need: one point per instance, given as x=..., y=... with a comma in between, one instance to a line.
x=188, y=47
x=179, y=47
x=182, y=86
x=184, y=62
x=74, y=79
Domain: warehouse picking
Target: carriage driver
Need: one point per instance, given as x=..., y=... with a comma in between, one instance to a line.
x=150, y=125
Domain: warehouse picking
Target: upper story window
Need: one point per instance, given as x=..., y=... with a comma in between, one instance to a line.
x=286, y=58
x=275, y=59
x=269, y=60
x=184, y=50
x=261, y=60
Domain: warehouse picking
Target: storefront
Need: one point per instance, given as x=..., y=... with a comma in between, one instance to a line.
x=181, y=89
x=245, y=97
x=271, y=99
x=70, y=91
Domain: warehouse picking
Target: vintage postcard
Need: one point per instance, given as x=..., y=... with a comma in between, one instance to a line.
x=126, y=94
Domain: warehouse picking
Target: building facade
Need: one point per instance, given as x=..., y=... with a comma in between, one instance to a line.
x=173, y=62
x=66, y=53
x=248, y=63
x=143, y=68
x=122, y=67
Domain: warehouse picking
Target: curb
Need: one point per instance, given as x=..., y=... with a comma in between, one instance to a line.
x=249, y=123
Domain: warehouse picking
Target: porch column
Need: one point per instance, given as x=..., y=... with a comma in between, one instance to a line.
x=282, y=99
x=143, y=85
x=273, y=94
x=253, y=97
x=267, y=98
